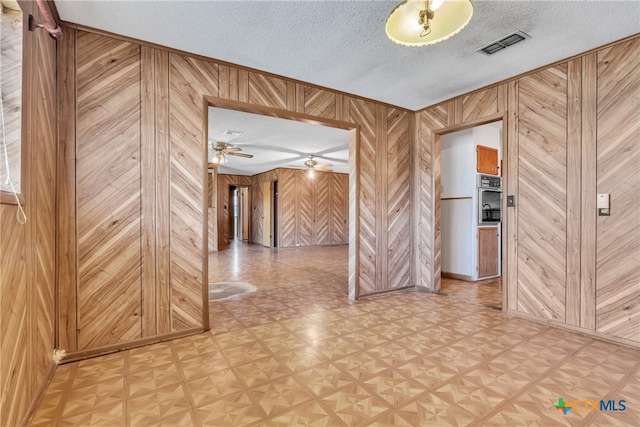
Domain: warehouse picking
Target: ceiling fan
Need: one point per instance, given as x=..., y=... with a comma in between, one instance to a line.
x=224, y=148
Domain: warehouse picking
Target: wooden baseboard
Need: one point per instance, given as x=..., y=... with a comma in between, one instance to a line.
x=37, y=399
x=457, y=276
x=576, y=329
x=114, y=348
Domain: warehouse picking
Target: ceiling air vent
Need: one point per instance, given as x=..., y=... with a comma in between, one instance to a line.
x=504, y=42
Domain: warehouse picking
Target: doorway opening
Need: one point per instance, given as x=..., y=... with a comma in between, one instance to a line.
x=296, y=173
x=471, y=206
x=240, y=219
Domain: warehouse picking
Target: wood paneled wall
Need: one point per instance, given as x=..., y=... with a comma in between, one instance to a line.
x=572, y=131
x=27, y=251
x=133, y=185
x=312, y=210
x=131, y=254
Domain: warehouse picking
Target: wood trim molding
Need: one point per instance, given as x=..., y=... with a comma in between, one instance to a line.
x=586, y=332
x=456, y=198
x=457, y=276
x=114, y=348
x=39, y=395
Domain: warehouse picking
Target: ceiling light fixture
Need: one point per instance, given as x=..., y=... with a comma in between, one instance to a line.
x=220, y=158
x=421, y=23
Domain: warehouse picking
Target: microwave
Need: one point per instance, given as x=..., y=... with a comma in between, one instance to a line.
x=490, y=181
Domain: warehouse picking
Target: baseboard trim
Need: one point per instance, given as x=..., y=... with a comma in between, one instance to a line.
x=457, y=276
x=114, y=348
x=37, y=399
x=576, y=329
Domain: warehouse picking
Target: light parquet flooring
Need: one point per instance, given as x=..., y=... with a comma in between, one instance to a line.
x=298, y=352
x=487, y=292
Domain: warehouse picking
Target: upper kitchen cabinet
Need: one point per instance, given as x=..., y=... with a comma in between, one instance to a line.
x=487, y=160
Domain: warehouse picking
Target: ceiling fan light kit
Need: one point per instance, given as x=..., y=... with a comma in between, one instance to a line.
x=421, y=23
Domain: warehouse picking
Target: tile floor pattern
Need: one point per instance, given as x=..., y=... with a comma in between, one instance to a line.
x=487, y=292
x=298, y=353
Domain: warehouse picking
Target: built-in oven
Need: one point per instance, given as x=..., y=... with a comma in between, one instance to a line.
x=489, y=199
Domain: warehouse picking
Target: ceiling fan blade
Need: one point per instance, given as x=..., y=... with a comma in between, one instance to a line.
x=233, y=153
x=230, y=149
x=327, y=167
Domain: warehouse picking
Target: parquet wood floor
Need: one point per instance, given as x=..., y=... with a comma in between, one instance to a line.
x=297, y=352
x=487, y=292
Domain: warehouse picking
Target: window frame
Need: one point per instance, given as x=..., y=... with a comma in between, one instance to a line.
x=7, y=197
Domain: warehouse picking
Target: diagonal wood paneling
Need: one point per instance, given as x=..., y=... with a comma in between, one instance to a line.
x=480, y=104
x=322, y=208
x=108, y=190
x=428, y=121
x=320, y=103
x=618, y=166
x=306, y=210
x=288, y=189
x=190, y=79
x=339, y=209
x=398, y=200
x=542, y=193
x=364, y=113
x=268, y=91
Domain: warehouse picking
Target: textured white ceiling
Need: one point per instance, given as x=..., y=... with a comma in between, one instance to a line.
x=342, y=44
x=276, y=142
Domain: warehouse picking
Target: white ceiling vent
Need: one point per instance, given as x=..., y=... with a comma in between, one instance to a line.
x=504, y=42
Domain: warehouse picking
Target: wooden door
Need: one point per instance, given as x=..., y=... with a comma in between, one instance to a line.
x=266, y=214
x=488, y=253
x=487, y=160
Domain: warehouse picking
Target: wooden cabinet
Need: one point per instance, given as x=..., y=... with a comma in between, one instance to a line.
x=488, y=251
x=487, y=161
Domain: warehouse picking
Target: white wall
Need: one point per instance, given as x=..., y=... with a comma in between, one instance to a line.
x=458, y=164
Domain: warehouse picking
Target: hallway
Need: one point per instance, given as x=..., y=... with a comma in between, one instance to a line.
x=298, y=352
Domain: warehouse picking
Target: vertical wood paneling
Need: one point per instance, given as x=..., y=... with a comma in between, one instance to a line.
x=148, y=182
x=66, y=195
x=511, y=225
x=381, y=218
x=618, y=235
x=108, y=191
x=398, y=194
x=542, y=188
x=163, y=189
x=363, y=113
x=43, y=243
x=574, y=175
x=588, y=194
